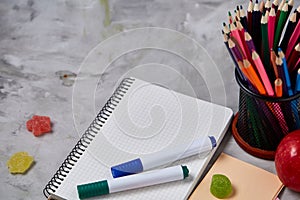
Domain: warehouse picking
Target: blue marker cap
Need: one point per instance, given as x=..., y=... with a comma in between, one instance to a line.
x=213, y=141
x=127, y=168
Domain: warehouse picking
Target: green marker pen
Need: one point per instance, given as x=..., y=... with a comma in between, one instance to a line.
x=133, y=181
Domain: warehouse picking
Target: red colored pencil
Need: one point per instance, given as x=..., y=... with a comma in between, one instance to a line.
x=271, y=27
x=292, y=60
x=293, y=40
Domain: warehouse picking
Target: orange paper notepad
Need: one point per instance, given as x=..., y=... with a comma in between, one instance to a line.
x=248, y=181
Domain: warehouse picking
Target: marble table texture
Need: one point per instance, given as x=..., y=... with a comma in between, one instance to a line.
x=44, y=43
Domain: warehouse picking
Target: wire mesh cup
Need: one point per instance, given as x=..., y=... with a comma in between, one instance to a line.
x=263, y=121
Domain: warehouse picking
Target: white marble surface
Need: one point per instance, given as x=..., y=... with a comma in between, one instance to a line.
x=43, y=40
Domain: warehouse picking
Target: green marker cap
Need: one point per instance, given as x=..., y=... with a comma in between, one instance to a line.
x=93, y=189
x=185, y=171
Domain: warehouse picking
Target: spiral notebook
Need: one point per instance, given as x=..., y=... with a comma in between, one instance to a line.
x=141, y=118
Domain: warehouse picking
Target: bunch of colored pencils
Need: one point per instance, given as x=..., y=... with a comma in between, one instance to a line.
x=265, y=46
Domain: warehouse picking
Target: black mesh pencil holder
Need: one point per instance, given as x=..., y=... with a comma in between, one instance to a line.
x=263, y=121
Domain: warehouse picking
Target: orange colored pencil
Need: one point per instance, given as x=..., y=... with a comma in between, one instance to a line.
x=241, y=66
x=278, y=87
x=256, y=81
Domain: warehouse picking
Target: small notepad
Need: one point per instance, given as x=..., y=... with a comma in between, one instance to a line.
x=141, y=118
x=248, y=181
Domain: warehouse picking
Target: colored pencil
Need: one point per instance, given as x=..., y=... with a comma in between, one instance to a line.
x=233, y=57
x=265, y=44
x=278, y=12
x=249, y=16
x=262, y=72
x=268, y=5
x=242, y=41
x=286, y=72
x=297, y=85
x=293, y=58
x=279, y=64
x=246, y=74
x=226, y=30
x=243, y=18
x=278, y=87
x=280, y=25
x=289, y=31
x=234, y=32
x=298, y=13
x=273, y=62
x=237, y=12
x=298, y=64
x=256, y=36
x=230, y=18
x=252, y=73
x=293, y=40
x=275, y=3
x=262, y=6
x=290, y=6
x=235, y=50
x=249, y=41
x=271, y=27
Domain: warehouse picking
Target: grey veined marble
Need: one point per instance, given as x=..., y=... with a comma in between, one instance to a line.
x=45, y=47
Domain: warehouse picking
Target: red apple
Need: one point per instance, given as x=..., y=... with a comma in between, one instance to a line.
x=287, y=160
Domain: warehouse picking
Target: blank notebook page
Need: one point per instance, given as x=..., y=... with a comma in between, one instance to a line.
x=148, y=118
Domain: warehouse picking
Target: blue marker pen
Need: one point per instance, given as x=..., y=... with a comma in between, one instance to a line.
x=200, y=145
x=132, y=182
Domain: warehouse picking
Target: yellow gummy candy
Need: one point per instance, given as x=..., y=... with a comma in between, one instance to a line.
x=19, y=163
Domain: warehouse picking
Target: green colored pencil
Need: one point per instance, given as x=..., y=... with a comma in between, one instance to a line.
x=280, y=25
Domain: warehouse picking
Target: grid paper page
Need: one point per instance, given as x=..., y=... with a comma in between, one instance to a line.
x=149, y=118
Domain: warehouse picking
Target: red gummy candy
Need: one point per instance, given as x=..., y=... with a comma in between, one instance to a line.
x=29, y=125
x=39, y=125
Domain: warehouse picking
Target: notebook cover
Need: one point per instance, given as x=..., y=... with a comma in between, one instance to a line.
x=248, y=181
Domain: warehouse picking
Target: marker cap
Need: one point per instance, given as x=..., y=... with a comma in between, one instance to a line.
x=213, y=141
x=127, y=168
x=185, y=171
x=93, y=189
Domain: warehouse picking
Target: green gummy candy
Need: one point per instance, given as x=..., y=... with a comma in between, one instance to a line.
x=220, y=186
